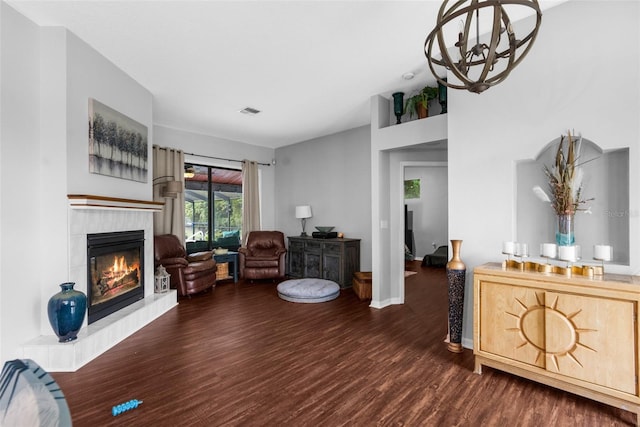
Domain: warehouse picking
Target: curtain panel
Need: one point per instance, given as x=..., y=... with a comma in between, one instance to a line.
x=250, y=199
x=168, y=165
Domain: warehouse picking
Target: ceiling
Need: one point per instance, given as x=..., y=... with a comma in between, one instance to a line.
x=309, y=66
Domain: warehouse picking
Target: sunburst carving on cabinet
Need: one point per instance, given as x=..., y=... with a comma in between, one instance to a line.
x=578, y=334
x=566, y=333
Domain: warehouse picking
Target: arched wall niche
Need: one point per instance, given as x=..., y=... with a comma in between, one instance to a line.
x=606, y=219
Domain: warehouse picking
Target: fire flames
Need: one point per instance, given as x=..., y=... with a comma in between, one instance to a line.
x=118, y=274
x=119, y=265
x=119, y=269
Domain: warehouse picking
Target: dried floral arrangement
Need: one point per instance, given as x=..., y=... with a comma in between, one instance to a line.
x=565, y=178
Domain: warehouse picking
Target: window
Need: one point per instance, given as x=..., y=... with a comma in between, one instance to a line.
x=213, y=208
x=412, y=189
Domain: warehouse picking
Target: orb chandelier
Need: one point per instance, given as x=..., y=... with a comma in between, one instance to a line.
x=481, y=62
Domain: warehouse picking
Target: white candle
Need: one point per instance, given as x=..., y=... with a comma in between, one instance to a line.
x=508, y=248
x=549, y=250
x=602, y=252
x=567, y=253
x=522, y=249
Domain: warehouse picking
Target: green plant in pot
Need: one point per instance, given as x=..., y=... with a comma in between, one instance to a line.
x=419, y=104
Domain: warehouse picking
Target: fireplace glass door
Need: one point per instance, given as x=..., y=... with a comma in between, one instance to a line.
x=115, y=272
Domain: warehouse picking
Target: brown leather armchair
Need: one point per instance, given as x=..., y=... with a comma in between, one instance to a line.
x=263, y=257
x=190, y=274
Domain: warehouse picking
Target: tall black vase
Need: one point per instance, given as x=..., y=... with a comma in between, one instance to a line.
x=442, y=97
x=66, y=311
x=456, y=276
x=398, y=105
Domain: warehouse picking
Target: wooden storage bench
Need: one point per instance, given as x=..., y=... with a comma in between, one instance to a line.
x=362, y=284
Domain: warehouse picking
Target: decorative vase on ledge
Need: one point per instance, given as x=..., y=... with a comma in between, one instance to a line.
x=66, y=311
x=442, y=97
x=456, y=276
x=398, y=102
x=564, y=230
x=423, y=111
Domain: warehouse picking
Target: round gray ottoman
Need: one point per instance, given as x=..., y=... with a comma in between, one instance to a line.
x=308, y=290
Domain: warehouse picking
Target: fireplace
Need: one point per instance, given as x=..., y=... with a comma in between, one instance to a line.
x=115, y=272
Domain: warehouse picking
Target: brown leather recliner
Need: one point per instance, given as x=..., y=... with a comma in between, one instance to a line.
x=263, y=257
x=190, y=274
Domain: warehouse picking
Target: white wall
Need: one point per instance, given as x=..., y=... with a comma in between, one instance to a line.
x=91, y=75
x=20, y=169
x=48, y=76
x=205, y=145
x=54, y=163
x=573, y=78
x=332, y=174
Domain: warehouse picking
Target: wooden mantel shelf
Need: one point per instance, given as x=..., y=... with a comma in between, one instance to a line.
x=87, y=201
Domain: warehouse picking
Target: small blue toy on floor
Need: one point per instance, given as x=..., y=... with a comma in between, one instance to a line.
x=124, y=407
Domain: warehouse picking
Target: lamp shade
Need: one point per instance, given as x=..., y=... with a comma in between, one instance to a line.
x=171, y=189
x=303, y=211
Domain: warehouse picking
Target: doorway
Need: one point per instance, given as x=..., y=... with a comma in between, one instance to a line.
x=428, y=212
x=426, y=219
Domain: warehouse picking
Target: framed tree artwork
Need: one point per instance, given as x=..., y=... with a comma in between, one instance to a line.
x=118, y=145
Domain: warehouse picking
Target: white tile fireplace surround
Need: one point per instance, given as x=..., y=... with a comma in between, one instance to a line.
x=88, y=215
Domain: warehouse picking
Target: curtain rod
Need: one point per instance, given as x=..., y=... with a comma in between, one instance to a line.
x=222, y=158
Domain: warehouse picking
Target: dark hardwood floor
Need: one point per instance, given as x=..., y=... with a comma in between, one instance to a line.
x=242, y=356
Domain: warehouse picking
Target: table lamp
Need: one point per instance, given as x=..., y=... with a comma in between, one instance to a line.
x=303, y=212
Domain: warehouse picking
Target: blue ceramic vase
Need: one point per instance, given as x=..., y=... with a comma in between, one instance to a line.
x=66, y=311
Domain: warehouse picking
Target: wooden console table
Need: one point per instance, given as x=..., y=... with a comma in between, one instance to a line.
x=331, y=259
x=577, y=334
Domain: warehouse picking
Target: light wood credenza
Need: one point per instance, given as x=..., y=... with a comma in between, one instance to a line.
x=577, y=334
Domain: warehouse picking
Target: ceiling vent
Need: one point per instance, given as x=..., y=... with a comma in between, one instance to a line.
x=250, y=111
